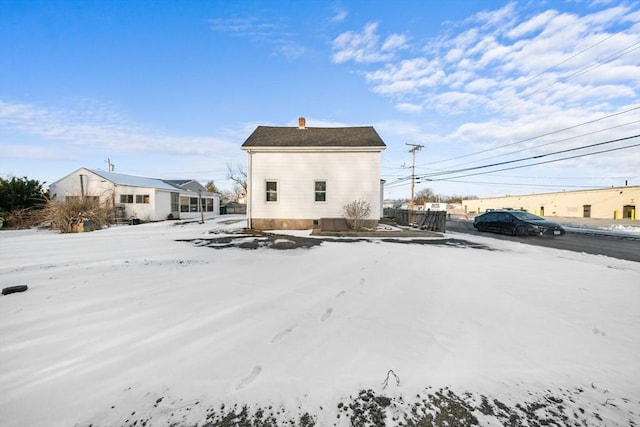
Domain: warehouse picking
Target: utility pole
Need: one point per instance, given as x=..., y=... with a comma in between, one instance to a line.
x=81, y=186
x=111, y=165
x=414, y=148
x=201, y=207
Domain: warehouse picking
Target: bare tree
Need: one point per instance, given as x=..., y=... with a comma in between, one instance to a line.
x=239, y=177
x=423, y=196
x=228, y=196
x=356, y=211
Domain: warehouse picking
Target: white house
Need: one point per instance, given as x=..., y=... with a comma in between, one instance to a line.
x=147, y=199
x=298, y=175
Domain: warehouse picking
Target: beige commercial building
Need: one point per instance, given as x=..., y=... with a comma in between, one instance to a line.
x=611, y=203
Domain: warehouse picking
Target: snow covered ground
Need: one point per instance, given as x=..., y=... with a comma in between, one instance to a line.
x=139, y=324
x=609, y=230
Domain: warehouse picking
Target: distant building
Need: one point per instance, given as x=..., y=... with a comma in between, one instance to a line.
x=429, y=206
x=148, y=199
x=611, y=203
x=298, y=175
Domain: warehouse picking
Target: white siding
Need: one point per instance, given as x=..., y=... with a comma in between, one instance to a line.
x=349, y=176
x=161, y=205
x=94, y=185
x=158, y=208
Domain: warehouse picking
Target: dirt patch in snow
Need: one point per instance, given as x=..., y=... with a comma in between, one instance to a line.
x=284, y=242
x=442, y=407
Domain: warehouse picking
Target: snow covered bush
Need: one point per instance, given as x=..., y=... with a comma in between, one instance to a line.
x=355, y=212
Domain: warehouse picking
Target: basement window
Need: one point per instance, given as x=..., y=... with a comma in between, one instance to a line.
x=272, y=191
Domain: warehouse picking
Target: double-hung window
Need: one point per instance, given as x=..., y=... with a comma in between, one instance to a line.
x=321, y=191
x=272, y=191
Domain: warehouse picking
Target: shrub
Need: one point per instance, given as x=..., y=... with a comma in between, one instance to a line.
x=21, y=202
x=23, y=218
x=355, y=212
x=72, y=215
x=21, y=193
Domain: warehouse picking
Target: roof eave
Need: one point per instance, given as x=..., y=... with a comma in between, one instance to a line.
x=370, y=149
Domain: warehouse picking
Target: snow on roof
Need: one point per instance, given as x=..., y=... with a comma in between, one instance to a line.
x=136, y=181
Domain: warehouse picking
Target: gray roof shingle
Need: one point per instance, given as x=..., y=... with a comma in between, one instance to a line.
x=271, y=136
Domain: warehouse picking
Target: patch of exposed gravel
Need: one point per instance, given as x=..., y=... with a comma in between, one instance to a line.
x=576, y=407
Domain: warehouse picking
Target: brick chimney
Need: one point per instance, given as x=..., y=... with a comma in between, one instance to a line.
x=302, y=123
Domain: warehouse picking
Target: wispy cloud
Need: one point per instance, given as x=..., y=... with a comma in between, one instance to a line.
x=340, y=15
x=249, y=27
x=496, y=58
x=508, y=74
x=261, y=32
x=100, y=127
x=365, y=46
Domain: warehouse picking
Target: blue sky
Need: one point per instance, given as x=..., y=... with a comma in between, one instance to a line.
x=171, y=89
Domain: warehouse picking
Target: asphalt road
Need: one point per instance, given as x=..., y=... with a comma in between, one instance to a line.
x=612, y=246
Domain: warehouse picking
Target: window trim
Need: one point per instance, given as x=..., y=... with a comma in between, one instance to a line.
x=267, y=191
x=317, y=192
x=194, y=204
x=142, y=198
x=175, y=202
x=184, y=204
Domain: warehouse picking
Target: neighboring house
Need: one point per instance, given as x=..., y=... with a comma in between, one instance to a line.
x=298, y=175
x=147, y=199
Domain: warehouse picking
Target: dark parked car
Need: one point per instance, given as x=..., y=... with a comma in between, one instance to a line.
x=517, y=223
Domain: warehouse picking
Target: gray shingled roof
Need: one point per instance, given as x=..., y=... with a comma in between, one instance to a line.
x=270, y=136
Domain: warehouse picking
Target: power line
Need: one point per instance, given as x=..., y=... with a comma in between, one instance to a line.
x=545, y=162
x=613, y=56
x=435, y=177
x=517, y=184
x=539, y=136
x=565, y=61
x=566, y=178
x=532, y=157
x=578, y=72
x=566, y=78
x=570, y=58
x=552, y=142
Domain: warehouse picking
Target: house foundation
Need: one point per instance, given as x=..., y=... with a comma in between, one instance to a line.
x=297, y=224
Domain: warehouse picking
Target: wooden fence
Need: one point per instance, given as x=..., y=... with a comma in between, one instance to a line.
x=424, y=220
